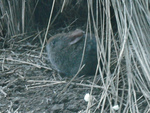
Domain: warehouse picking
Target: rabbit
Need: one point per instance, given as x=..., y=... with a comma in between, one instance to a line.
x=65, y=53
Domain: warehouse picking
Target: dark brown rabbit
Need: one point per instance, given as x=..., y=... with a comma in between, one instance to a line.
x=65, y=53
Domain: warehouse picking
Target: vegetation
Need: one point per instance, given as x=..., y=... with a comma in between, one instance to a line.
x=122, y=31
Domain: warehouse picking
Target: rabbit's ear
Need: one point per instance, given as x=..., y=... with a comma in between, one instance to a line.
x=76, y=36
x=75, y=40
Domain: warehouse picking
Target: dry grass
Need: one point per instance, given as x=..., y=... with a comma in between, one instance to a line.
x=122, y=32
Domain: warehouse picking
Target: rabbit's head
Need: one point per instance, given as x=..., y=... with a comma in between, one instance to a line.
x=65, y=52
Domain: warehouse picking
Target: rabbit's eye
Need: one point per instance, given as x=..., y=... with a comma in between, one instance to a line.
x=53, y=43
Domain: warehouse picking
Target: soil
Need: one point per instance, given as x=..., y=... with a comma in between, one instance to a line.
x=28, y=85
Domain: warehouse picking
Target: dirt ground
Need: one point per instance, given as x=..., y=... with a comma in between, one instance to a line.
x=28, y=85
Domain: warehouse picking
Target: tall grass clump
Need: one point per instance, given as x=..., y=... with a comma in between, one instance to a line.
x=15, y=16
x=126, y=82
